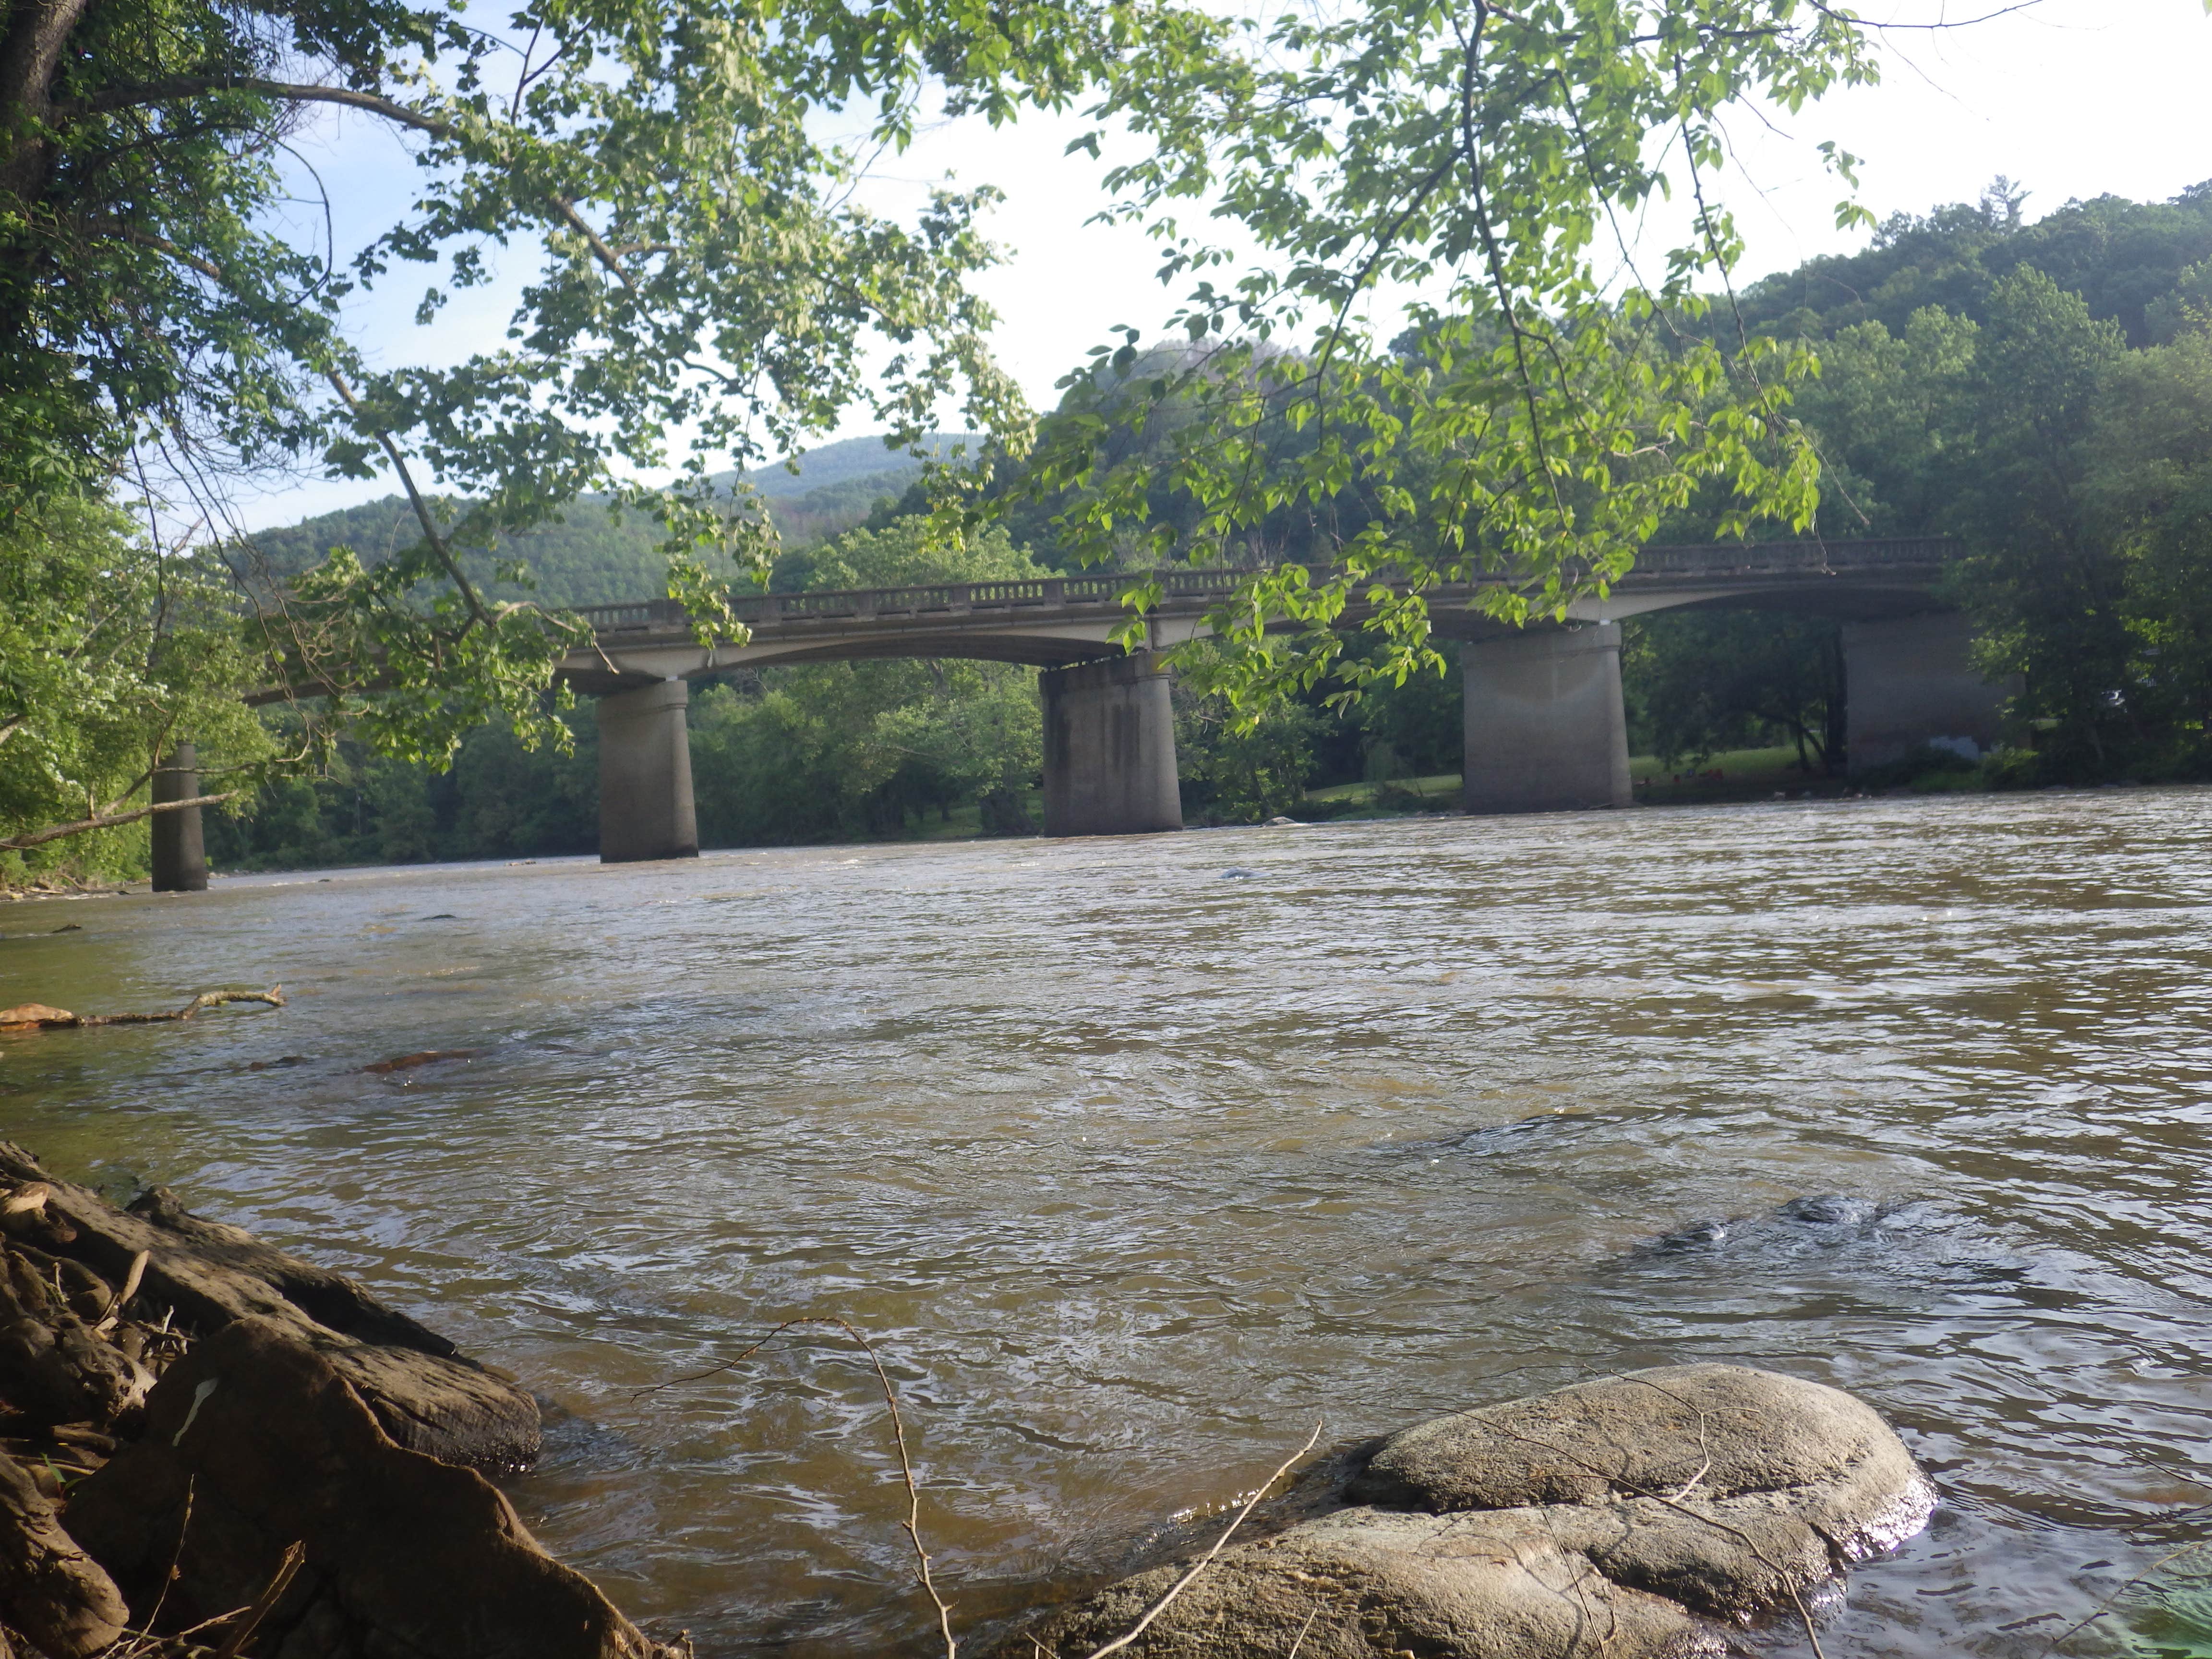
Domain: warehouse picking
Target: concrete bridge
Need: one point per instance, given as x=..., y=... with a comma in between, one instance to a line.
x=1545, y=729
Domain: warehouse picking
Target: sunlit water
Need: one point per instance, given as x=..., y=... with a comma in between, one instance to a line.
x=1139, y=1157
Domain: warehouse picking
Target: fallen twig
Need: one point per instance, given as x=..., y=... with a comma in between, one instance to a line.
x=287, y=1570
x=1207, y=1559
x=2107, y=1604
x=912, y=1525
x=176, y=1560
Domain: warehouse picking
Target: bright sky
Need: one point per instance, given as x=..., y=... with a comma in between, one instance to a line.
x=2069, y=98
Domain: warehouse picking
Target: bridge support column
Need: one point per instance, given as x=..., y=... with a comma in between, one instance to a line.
x=1109, y=755
x=1545, y=729
x=179, y=844
x=1908, y=684
x=645, y=776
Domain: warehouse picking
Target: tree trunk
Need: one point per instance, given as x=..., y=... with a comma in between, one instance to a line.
x=31, y=53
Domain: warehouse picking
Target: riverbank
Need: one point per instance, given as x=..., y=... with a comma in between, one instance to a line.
x=65, y=884
x=206, y=1443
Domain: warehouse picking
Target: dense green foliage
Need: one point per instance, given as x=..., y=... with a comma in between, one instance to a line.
x=707, y=293
x=1699, y=681
x=822, y=749
x=1533, y=426
x=497, y=800
x=106, y=649
x=2139, y=265
x=2078, y=469
x=598, y=552
x=2043, y=391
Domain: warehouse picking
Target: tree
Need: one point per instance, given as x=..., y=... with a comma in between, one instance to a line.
x=708, y=293
x=2150, y=485
x=1895, y=419
x=2121, y=257
x=108, y=650
x=2041, y=572
x=819, y=750
x=1705, y=680
x=1536, y=421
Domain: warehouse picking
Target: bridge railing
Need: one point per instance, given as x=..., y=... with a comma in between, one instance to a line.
x=1794, y=557
x=1059, y=593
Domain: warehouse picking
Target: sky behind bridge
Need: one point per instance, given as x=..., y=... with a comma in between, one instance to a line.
x=2068, y=97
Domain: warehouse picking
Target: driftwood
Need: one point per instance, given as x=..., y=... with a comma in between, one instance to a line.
x=38, y=1016
x=196, y=1277
x=270, y=1448
x=56, y=1368
x=50, y=1589
x=426, y=1057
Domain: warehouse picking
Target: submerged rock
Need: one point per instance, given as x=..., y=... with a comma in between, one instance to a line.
x=1815, y=1222
x=1832, y=1210
x=1635, y=1518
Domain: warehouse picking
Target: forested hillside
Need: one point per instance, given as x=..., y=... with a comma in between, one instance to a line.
x=2140, y=264
x=604, y=555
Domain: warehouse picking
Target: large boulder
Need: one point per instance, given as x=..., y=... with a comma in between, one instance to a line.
x=206, y=1274
x=1633, y=1517
x=254, y=1443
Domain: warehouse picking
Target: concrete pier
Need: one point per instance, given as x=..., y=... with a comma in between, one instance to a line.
x=1910, y=686
x=646, y=810
x=179, y=844
x=1545, y=729
x=1109, y=755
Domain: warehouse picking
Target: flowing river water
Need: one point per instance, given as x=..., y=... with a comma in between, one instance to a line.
x=1138, y=1157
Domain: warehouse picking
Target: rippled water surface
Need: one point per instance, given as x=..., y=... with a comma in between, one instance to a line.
x=1138, y=1156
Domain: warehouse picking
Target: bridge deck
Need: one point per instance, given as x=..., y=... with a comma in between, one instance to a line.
x=1048, y=620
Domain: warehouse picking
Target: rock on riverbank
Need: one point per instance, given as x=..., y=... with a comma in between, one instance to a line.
x=198, y=1430
x=1638, y=1517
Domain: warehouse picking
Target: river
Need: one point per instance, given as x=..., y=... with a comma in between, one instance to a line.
x=1138, y=1157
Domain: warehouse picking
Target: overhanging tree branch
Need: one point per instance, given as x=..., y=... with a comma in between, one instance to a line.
x=431, y=534
x=175, y=88
x=108, y=821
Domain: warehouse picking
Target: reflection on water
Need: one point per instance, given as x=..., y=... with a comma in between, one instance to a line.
x=1134, y=1172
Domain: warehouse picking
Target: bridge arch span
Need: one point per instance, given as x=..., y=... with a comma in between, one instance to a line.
x=1545, y=724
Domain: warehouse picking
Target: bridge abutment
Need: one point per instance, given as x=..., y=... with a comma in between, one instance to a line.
x=1110, y=754
x=1908, y=684
x=179, y=840
x=1545, y=730
x=646, y=810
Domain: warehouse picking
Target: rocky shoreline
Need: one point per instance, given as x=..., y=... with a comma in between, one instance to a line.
x=210, y=1449
x=205, y=1441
